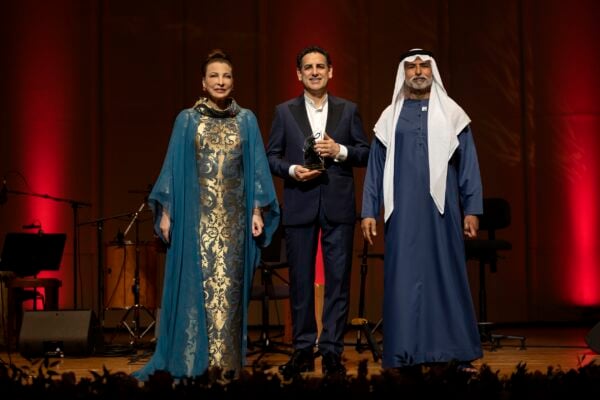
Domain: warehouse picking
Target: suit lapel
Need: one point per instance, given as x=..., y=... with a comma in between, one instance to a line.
x=333, y=114
x=298, y=110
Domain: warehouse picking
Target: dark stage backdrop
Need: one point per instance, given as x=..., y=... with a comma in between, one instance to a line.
x=90, y=89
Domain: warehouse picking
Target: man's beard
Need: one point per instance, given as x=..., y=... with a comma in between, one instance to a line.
x=417, y=90
x=420, y=83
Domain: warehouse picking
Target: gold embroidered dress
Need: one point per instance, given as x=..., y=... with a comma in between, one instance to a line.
x=221, y=224
x=214, y=174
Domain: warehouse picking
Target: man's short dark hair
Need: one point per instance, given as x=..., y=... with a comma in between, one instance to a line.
x=311, y=49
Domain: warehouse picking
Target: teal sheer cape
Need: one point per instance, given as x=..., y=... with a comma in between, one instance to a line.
x=182, y=346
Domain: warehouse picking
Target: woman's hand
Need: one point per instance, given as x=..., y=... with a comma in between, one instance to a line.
x=165, y=226
x=257, y=224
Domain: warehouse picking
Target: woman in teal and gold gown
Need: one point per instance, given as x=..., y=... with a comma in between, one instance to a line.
x=215, y=206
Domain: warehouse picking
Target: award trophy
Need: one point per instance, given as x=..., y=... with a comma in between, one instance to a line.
x=312, y=160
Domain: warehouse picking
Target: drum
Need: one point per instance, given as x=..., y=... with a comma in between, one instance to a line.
x=119, y=275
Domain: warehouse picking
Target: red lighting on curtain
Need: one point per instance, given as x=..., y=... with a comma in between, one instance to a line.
x=583, y=209
x=43, y=102
x=571, y=83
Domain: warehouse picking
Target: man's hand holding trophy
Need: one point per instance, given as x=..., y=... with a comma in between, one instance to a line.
x=312, y=158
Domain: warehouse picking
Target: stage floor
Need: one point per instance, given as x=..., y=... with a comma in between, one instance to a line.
x=558, y=347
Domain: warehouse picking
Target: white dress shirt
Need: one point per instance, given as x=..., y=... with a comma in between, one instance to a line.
x=317, y=117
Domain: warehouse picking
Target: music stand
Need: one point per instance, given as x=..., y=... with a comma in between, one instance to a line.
x=26, y=254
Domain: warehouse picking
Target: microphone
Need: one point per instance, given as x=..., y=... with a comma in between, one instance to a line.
x=3, y=192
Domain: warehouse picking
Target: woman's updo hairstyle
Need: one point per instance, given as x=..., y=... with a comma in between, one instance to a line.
x=214, y=56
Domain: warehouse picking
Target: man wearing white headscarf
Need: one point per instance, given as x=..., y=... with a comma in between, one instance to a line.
x=423, y=168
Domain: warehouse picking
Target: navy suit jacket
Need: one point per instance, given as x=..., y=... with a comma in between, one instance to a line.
x=334, y=188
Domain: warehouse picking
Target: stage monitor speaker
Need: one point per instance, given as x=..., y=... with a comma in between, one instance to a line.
x=59, y=333
x=593, y=338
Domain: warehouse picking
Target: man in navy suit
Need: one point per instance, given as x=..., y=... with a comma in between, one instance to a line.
x=317, y=197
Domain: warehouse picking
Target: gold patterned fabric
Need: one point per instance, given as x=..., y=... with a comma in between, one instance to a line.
x=221, y=226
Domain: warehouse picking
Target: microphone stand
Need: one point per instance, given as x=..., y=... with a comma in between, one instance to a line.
x=135, y=329
x=75, y=205
x=99, y=242
x=360, y=322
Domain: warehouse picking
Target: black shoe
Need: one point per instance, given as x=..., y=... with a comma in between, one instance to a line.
x=302, y=360
x=332, y=365
x=467, y=368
